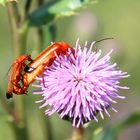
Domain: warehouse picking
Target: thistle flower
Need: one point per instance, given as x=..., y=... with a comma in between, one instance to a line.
x=80, y=85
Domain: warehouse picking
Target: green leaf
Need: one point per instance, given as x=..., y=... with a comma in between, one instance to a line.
x=48, y=12
x=3, y=2
x=130, y=120
x=110, y=133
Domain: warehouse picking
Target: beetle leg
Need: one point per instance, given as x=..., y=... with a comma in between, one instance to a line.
x=43, y=80
x=30, y=59
x=43, y=75
x=14, y=82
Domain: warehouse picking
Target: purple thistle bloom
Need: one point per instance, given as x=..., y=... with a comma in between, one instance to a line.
x=80, y=85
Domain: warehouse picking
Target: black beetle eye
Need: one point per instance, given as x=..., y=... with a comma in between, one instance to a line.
x=28, y=69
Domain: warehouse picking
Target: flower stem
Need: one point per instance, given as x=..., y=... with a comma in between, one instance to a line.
x=19, y=47
x=18, y=38
x=40, y=31
x=78, y=133
x=40, y=34
x=40, y=39
x=8, y=108
x=52, y=30
x=27, y=8
x=18, y=43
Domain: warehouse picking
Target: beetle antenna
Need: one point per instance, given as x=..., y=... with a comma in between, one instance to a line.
x=95, y=42
x=7, y=73
x=108, y=38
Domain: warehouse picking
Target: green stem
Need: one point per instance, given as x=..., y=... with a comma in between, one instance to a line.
x=19, y=45
x=8, y=108
x=27, y=8
x=20, y=133
x=18, y=38
x=52, y=30
x=47, y=123
x=40, y=2
x=40, y=39
x=40, y=31
x=48, y=129
x=78, y=133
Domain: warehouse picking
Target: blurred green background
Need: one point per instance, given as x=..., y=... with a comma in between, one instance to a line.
x=104, y=18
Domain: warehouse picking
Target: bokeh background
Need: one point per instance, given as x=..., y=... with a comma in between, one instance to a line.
x=104, y=18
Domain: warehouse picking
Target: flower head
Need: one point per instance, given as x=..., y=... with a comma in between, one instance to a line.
x=80, y=85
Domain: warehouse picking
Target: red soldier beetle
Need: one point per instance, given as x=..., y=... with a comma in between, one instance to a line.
x=16, y=75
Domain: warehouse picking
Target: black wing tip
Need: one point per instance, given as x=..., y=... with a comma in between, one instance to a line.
x=9, y=95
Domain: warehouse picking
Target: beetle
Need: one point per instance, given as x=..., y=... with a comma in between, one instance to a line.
x=16, y=75
x=43, y=60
